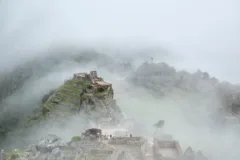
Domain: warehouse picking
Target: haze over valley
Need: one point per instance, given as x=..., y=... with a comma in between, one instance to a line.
x=172, y=60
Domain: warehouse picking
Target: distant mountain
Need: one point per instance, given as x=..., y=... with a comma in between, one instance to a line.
x=162, y=79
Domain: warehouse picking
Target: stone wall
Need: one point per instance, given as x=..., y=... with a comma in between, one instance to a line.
x=134, y=146
x=133, y=141
x=93, y=75
x=158, y=145
x=81, y=76
x=135, y=152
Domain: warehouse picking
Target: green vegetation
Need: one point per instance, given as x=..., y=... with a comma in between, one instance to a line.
x=76, y=138
x=67, y=93
x=12, y=155
x=101, y=94
x=67, y=96
x=34, y=118
x=66, y=100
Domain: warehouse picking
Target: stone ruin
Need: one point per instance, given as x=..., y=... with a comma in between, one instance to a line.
x=132, y=147
x=99, y=91
x=92, y=133
x=98, y=84
x=170, y=149
x=127, y=141
x=93, y=146
x=166, y=149
x=100, y=96
x=116, y=147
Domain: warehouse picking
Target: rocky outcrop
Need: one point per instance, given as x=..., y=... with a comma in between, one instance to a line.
x=84, y=93
x=15, y=78
x=91, y=98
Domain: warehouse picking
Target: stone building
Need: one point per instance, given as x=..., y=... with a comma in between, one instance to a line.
x=136, y=147
x=166, y=149
x=169, y=149
x=81, y=76
x=98, y=84
x=114, y=148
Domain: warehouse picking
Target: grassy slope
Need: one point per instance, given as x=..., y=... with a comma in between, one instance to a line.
x=69, y=93
x=64, y=101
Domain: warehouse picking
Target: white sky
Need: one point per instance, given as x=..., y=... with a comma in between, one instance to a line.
x=206, y=33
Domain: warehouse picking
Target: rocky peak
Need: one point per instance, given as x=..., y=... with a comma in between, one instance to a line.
x=83, y=93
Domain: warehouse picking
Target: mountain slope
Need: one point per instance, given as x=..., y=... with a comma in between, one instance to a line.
x=84, y=94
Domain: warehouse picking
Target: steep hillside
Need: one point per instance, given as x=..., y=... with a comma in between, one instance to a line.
x=85, y=94
x=16, y=79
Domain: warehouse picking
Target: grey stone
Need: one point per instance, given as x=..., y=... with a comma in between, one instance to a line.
x=49, y=143
x=31, y=148
x=56, y=152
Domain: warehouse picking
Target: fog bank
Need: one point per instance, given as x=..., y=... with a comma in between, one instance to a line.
x=204, y=34
x=185, y=34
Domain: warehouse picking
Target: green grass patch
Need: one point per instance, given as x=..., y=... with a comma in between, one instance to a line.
x=66, y=96
x=101, y=94
x=12, y=155
x=76, y=138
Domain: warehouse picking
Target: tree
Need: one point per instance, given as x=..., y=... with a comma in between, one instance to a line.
x=158, y=125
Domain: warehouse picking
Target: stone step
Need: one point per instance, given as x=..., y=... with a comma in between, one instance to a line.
x=101, y=156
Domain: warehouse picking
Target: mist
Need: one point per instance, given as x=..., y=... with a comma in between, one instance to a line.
x=183, y=119
x=187, y=35
x=204, y=34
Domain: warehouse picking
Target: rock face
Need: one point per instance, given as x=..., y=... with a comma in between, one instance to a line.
x=84, y=93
